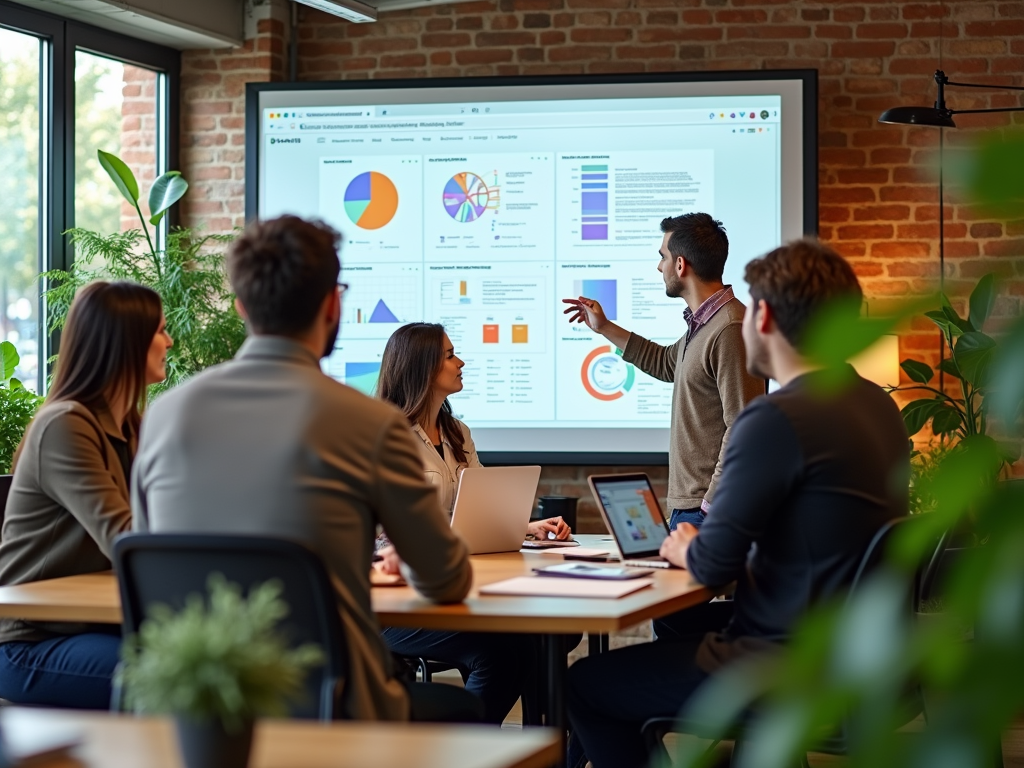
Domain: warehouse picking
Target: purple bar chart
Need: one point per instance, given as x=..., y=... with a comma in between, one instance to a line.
x=594, y=202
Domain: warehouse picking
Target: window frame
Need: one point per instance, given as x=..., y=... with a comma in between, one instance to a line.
x=62, y=38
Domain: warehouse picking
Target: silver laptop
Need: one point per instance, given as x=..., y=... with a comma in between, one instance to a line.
x=632, y=513
x=492, y=507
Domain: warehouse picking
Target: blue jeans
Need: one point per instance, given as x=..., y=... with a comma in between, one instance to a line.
x=694, y=516
x=70, y=671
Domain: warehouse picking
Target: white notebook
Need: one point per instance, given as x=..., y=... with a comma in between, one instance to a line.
x=540, y=587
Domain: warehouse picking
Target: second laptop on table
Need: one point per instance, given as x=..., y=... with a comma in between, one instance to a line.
x=632, y=513
x=492, y=507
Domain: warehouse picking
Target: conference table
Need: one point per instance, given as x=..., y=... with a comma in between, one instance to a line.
x=104, y=740
x=95, y=598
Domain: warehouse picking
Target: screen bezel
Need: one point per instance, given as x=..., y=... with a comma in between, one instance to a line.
x=808, y=79
x=595, y=480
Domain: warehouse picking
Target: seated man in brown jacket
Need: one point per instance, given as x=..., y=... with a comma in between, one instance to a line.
x=268, y=444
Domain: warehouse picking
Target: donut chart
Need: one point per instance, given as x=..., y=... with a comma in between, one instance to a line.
x=465, y=197
x=606, y=376
x=371, y=200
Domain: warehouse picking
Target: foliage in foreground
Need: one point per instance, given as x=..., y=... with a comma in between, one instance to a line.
x=854, y=662
x=223, y=660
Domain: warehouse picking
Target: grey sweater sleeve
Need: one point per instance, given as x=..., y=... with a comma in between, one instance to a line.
x=653, y=359
x=726, y=363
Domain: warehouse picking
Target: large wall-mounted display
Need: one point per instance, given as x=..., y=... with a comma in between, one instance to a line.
x=480, y=203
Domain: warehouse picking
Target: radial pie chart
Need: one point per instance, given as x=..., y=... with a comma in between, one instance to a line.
x=371, y=200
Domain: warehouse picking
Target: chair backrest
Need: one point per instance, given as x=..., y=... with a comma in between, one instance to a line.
x=167, y=568
x=5, y=489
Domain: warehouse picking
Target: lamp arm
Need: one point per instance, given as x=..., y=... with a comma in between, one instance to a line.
x=979, y=111
x=979, y=85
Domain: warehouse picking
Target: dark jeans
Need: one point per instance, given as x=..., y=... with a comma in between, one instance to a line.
x=71, y=671
x=694, y=516
x=439, y=703
x=610, y=696
x=497, y=665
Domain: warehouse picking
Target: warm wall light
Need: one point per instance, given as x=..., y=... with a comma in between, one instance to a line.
x=880, y=362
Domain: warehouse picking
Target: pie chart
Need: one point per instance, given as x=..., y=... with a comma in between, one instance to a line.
x=371, y=200
x=465, y=197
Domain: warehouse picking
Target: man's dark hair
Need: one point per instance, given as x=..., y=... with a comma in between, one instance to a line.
x=282, y=270
x=797, y=279
x=701, y=240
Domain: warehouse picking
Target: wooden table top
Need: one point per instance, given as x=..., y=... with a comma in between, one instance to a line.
x=123, y=741
x=94, y=598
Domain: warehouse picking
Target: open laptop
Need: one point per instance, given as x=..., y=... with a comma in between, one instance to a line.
x=632, y=513
x=492, y=507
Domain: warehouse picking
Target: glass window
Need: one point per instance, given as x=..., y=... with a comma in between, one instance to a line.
x=116, y=110
x=20, y=69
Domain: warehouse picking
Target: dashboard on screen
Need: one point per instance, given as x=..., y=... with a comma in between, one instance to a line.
x=481, y=203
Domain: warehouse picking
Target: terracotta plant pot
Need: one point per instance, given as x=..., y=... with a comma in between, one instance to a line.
x=206, y=744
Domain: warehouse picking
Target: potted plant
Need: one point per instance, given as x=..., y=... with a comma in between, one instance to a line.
x=215, y=666
x=17, y=406
x=188, y=273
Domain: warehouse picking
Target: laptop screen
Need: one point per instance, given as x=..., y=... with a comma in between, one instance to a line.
x=632, y=511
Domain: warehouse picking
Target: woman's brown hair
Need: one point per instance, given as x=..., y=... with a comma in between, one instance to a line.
x=413, y=357
x=104, y=346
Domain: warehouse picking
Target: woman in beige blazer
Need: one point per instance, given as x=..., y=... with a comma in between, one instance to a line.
x=69, y=496
x=419, y=370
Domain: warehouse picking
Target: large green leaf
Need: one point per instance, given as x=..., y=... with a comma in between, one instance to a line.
x=994, y=172
x=920, y=372
x=121, y=175
x=959, y=323
x=973, y=354
x=946, y=419
x=938, y=317
x=948, y=366
x=983, y=298
x=917, y=412
x=165, y=192
x=9, y=360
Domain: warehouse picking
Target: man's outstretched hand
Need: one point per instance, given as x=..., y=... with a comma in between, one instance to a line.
x=583, y=310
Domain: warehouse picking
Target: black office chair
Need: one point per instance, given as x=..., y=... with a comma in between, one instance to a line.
x=5, y=489
x=655, y=729
x=166, y=568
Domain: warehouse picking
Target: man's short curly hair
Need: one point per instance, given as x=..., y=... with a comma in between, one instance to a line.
x=796, y=280
x=282, y=270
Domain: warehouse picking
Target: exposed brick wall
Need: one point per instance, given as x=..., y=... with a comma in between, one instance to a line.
x=879, y=201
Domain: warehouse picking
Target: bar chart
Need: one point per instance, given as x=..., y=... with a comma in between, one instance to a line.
x=594, y=202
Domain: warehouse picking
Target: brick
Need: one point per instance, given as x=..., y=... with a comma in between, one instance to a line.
x=579, y=53
x=645, y=52
x=833, y=31
x=881, y=31
x=475, y=22
x=443, y=25
x=495, y=39
x=478, y=56
x=594, y=19
x=405, y=60
x=530, y=54
x=662, y=18
x=537, y=20
x=881, y=213
x=922, y=194
x=552, y=38
x=868, y=269
x=881, y=136
x=1004, y=248
x=864, y=232
x=698, y=17
x=673, y=35
x=853, y=50
x=884, y=13
x=925, y=11
x=997, y=29
x=833, y=213
x=837, y=156
x=445, y=39
x=386, y=45
x=613, y=35
x=848, y=14
x=744, y=16
x=752, y=48
x=901, y=250
x=504, y=22
x=814, y=14
x=768, y=32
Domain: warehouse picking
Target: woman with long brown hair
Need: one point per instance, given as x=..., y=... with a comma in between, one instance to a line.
x=69, y=497
x=418, y=372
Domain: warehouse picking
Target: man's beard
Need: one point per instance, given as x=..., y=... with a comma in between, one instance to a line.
x=331, y=338
x=673, y=286
x=757, y=360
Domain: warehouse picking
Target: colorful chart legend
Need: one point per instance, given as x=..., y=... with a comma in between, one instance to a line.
x=362, y=376
x=371, y=200
x=602, y=291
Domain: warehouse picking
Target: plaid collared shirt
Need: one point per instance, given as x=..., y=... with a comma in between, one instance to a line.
x=713, y=303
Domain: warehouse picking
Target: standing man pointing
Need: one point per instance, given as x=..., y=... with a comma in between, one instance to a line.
x=707, y=365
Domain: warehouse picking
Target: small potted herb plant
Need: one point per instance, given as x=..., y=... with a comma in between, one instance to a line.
x=215, y=666
x=17, y=406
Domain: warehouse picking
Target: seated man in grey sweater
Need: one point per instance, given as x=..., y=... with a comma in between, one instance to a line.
x=808, y=479
x=266, y=444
